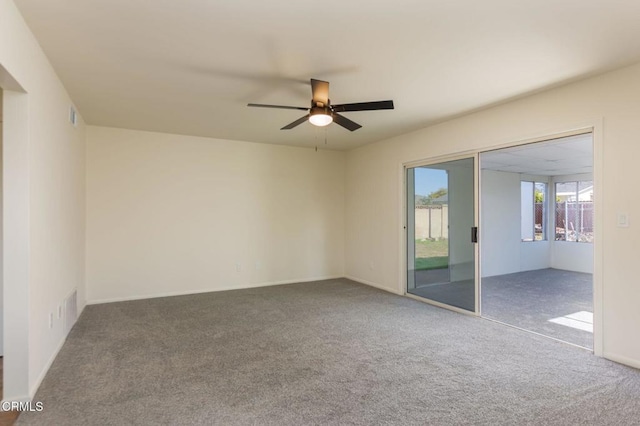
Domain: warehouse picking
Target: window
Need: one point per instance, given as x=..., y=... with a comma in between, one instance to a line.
x=533, y=214
x=574, y=211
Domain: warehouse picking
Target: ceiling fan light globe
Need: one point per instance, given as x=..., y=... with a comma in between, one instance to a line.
x=320, y=120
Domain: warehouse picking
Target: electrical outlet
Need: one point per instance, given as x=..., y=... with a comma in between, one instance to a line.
x=258, y=266
x=50, y=319
x=59, y=311
x=238, y=267
x=371, y=265
x=623, y=220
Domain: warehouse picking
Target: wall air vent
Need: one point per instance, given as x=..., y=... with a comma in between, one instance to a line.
x=70, y=311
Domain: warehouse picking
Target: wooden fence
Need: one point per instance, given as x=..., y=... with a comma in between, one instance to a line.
x=432, y=221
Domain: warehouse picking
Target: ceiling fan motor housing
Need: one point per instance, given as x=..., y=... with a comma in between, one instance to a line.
x=320, y=107
x=320, y=114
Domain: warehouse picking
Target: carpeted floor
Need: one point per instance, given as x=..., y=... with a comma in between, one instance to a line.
x=461, y=294
x=331, y=352
x=530, y=299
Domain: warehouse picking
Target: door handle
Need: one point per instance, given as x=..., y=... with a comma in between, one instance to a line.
x=474, y=234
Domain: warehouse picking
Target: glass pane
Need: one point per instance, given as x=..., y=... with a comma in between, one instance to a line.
x=584, y=233
x=526, y=210
x=566, y=197
x=574, y=211
x=440, y=216
x=540, y=197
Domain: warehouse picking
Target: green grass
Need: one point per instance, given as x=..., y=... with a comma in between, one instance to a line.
x=431, y=254
x=424, y=263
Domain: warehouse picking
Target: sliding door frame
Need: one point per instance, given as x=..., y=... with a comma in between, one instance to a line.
x=594, y=127
x=405, y=228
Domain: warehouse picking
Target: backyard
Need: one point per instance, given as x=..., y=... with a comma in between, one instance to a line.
x=432, y=254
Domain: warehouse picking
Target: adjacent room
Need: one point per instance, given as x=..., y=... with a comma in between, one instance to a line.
x=538, y=235
x=282, y=212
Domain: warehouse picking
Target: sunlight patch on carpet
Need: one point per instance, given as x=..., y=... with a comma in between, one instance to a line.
x=582, y=320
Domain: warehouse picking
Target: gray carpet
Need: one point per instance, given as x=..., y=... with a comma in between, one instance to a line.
x=530, y=299
x=331, y=352
x=461, y=294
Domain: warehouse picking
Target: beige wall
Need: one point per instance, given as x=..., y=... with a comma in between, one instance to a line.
x=44, y=211
x=609, y=102
x=170, y=214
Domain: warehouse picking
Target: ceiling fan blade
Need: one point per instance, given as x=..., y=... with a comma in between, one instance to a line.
x=345, y=122
x=278, y=106
x=363, y=106
x=298, y=122
x=320, y=91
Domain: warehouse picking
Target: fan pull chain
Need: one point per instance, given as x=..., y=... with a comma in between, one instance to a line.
x=315, y=134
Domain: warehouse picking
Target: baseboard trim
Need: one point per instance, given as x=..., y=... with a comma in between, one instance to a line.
x=372, y=284
x=211, y=290
x=45, y=369
x=80, y=311
x=622, y=360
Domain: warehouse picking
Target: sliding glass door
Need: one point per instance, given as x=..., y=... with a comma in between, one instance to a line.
x=441, y=233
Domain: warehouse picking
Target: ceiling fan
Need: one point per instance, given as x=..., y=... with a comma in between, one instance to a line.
x=322, y=113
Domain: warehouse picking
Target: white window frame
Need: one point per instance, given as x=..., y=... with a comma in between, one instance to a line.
x=533, y=206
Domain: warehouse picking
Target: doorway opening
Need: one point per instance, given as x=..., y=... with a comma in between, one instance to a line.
x=1, y=248
x=537, y=222
x=15, y=239
x=6, y=417
x=1, y=244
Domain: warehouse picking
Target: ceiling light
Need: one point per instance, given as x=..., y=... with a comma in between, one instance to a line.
x=320, y=116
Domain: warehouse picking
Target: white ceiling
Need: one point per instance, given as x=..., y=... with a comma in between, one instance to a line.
x=190, y=66
x=564, y=156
